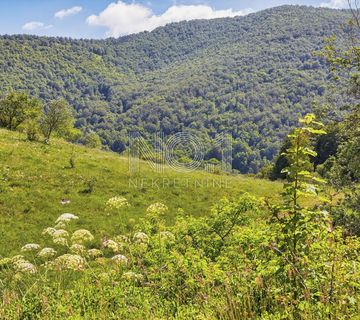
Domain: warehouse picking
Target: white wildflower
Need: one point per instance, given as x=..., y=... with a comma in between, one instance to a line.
x=120, y=259
x=66, y=217
x=94, y=253
x=23, y=265
x=48, y=231
x=60, y=225
x=116, y=203
x=82, y=236
x=26, y=267
x=111, y=244
x=141, y=237
x=60, y=233
x=30, y=247
x=70, y=262
x=77, y=248
x=47, y=253
x=61, y=241
x=156, y=209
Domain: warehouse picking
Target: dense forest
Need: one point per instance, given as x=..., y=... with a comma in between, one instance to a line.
x=251, y=77
x=84, y=243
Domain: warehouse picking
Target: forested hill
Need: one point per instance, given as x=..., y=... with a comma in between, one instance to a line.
x=249, y=76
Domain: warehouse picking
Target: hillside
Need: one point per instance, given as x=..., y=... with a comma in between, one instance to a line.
x=35, y=177
x=84, y=236
x=243, y=259
x=250, y=76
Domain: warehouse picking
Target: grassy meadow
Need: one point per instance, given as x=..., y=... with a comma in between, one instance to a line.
x=35, y=177
x=84, y=239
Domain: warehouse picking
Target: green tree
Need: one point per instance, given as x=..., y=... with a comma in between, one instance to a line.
x=58, y=118
x=347, y=62
x=92, y=140
x=344, y=172
x=16, y=108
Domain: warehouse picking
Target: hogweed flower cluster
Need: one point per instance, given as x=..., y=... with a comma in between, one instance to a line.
x=82, y=236
x=66, y=217
x=77, y=248
x=156, y=209
x=60, y=237
x=116, y=203
x=111, y=244
x=48, y=231
x=120, y=259
x=30, y=247
x=61, y=242
x=22, y=265
x=140, y=237
x=60, y=233
x=47, y=253
x=94, y=253
x=74, y=254
x=70, y=262
x=121, y=239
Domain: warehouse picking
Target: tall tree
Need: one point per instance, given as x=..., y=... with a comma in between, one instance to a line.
x=347, y=61
x=58, y=118
x=17, y=107
x=345, y=167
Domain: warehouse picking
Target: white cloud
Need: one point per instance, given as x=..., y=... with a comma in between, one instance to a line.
x=35, y=25
x=336, y=4
x=67, y=12
x=121, y=18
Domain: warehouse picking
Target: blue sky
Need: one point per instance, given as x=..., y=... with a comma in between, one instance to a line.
x=102, y=18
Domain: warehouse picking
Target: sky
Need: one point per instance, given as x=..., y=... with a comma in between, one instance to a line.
x=105, y=18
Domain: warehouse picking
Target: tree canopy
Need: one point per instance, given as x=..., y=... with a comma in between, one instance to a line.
x=251, y=77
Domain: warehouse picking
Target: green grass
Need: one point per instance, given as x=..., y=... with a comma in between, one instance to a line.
x=34, y=177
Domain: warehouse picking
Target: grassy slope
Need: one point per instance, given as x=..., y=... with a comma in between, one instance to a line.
x=34, y=178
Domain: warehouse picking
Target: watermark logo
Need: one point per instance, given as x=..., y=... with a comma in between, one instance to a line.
x=162, y=152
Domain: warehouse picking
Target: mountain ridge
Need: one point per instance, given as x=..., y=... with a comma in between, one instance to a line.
x=251, y=76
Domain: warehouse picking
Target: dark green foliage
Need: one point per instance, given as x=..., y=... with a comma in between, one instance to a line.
x=342, y=145
x=280, y=163
x=118, y=146
x=347, y=212
x=325, y=146
x=346, y=168
x=252, y=77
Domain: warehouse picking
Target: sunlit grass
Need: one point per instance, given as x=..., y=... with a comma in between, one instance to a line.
x=35, y=177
